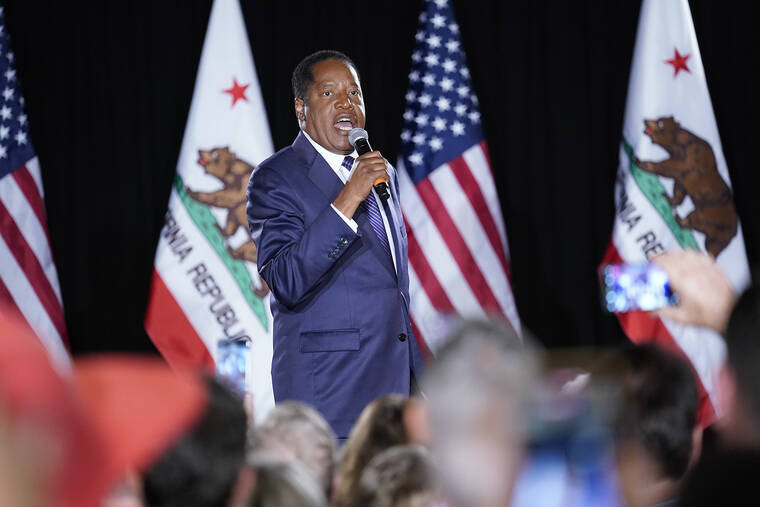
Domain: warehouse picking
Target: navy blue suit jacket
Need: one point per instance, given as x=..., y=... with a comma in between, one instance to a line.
x=342, y=335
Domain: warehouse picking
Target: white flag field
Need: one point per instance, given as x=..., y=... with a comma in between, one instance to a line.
x=673, y=189
x=205, y=283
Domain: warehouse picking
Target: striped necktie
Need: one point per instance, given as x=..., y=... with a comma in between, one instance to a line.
x=373, y=211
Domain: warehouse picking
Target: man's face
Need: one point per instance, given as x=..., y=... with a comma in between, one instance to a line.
x=335, y=106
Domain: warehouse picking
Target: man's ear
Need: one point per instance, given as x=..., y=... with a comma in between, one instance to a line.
x=300, y=108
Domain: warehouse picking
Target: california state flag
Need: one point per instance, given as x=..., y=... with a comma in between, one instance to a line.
x=673, y=190
x=205, y=282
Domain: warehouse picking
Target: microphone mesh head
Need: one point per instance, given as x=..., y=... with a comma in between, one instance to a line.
x=357, y=133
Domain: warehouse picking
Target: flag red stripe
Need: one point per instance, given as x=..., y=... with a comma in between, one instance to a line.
x=487, y=154
x=9, y=307
x=171, y=332
x=33, y=271
x=484, y=147
x=421, y=341
x=459, y=250
x=438, y=297
x=28, y=187
x=640, y=327
x=472, y=190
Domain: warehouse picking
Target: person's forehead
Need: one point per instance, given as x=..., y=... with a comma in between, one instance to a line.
x=334, y=70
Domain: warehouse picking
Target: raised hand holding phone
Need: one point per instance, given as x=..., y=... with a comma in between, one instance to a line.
x=706, y=297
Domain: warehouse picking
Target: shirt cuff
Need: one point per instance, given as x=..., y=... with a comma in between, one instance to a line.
x=349, y=221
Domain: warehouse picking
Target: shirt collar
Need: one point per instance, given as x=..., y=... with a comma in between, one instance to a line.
x=334, y=160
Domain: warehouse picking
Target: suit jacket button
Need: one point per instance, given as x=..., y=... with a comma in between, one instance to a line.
x=402, y=337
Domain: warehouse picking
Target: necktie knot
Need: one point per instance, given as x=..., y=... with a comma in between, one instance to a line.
x=348, y=162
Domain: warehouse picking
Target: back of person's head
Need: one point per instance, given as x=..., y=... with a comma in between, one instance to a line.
x=294, y=431
x=659, y=408
x=743, y=344
x=303, y=74
x=399, y=476
x=285, y=484
x=477, y=390
x=202, y=467
x=380, y=426
x=657, y=437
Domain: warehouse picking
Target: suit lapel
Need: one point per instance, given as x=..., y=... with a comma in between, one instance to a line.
x=322, y=175
x=319, y=171
x=390, y=212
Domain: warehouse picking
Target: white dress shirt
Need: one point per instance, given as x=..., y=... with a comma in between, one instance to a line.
x=335, y=161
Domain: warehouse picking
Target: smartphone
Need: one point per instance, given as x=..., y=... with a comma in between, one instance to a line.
x=627, y=287
x=231, y=364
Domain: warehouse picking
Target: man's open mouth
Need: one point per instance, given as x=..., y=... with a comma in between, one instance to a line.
x=344, y=123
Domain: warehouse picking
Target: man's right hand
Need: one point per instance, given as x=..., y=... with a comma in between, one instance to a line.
x=369, y=168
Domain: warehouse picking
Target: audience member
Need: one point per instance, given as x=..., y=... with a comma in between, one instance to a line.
x=380, y=426
x=402, y=476
x=202, y=468
x=476, y=390
x=294, y=431
x=17, y=475
x=740, y=378
x=52, y=436
x=657, y=435
x=416, y=421
x=81, y=429
x=706, y=297
x=285, y=484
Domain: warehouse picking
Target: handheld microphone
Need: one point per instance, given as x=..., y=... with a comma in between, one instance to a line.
x=358, y=139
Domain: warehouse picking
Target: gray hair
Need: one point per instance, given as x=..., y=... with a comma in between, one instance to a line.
x=281, y=484
x=294, y=431
x=477, y=392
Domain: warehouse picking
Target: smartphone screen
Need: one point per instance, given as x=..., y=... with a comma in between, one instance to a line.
x=231, y=361
x=627, y=287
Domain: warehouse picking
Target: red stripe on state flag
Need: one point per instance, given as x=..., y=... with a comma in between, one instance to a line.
x=33, y=271
x=29, y=188
x=425, y=274
x=458, y=248
x=472, y=190
x=171, y=332
x=643, y=328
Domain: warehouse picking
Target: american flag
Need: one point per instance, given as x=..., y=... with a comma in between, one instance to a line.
x=29, y=287
x=458, y=256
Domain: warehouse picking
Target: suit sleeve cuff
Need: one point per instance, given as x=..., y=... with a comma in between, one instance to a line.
x=349, y=221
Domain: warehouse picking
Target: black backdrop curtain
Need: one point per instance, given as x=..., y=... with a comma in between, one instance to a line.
x=108, y=87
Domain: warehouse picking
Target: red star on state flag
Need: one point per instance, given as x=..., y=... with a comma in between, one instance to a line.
x=679, y=63
x=237, y=91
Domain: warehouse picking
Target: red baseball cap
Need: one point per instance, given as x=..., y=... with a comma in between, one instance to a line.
x=83, y=429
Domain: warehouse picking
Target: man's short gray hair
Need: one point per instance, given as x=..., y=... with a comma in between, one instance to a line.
x=281, y=484
x=294, y=431
x=477, y=391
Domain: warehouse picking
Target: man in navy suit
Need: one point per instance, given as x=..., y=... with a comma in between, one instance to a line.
x=333, y=254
